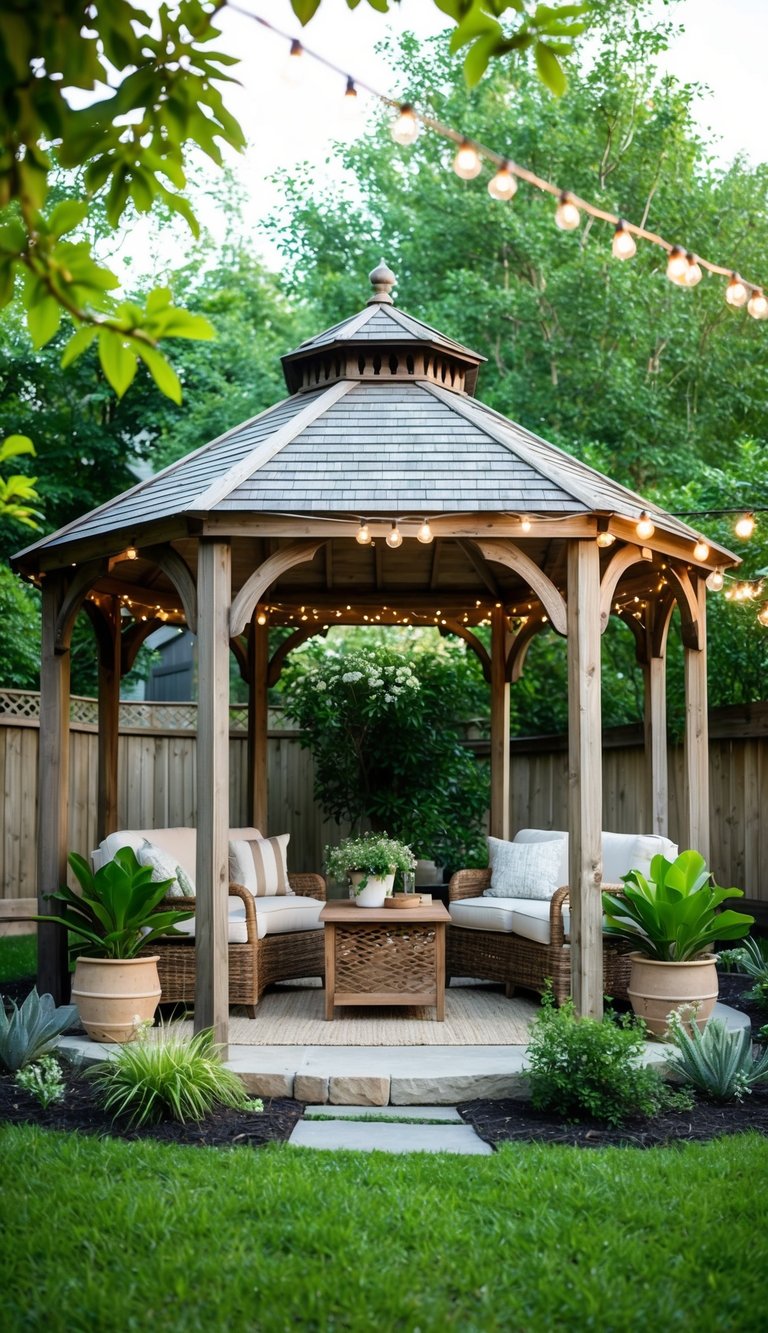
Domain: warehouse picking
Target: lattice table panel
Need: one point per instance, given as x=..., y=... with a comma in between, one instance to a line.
x=377, y=958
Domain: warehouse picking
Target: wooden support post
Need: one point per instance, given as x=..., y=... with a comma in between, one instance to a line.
x=258, y=722
x=109, y=721
x=53, y=794
x=499, y=726
x=696, y=814
x=585, y=777
x=655, y=719
x=211, y=913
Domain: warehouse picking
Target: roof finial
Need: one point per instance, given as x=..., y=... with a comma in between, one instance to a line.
x=383, y=280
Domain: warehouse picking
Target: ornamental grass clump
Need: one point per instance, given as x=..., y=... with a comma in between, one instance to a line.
x=174, y=1078
x=585, y=1068
x=717, y=1062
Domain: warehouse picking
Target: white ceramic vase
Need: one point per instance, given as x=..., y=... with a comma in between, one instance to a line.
x=376, y=890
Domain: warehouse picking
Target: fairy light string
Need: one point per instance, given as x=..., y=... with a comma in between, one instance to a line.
x=684, y=267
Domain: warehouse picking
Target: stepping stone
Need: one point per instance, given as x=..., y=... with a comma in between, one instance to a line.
x=375, y=1136
x=448, y=1114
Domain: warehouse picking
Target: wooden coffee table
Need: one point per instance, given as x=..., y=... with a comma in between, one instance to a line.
x=380, y=955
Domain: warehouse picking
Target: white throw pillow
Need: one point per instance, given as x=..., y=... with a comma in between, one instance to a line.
x=524, y=869
x=163, y=867
x=260, y=865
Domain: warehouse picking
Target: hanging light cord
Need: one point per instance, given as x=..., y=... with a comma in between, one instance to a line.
x=501, y=160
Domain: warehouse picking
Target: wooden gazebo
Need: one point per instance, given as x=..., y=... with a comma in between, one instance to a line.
x=470, y=518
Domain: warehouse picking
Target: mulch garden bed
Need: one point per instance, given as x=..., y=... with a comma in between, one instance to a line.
x=494, y=1121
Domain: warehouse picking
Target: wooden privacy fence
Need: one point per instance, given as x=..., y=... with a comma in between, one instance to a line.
x=157, y=785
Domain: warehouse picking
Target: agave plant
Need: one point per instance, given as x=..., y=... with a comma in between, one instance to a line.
x=116, y=913
x=717, y=1062
x=32, y=1031
x=673, y=915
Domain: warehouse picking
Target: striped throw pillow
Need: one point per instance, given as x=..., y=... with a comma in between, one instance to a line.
x=260, y=865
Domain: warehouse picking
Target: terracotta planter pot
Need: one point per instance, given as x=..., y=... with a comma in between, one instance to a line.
x=376, y=890
x=655, y=989
x=114, y=995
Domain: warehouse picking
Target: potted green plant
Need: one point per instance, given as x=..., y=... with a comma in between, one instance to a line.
x=673, y=918
x=113, y=920
x=370, y=863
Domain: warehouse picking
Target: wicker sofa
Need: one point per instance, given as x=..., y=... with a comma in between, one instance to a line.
x=523, y=942
x=270, y=939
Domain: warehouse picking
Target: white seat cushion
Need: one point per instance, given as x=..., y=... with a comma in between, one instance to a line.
x=485, y=913
x=274, y=916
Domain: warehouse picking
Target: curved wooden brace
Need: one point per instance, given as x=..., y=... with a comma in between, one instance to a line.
x=640, y=636
x=686, y=598
x=520, y=645
x=662, y=615
x=102, y=629
x=298, y=553
x=132, y=640
x=452, y=626
x=505, y=552
x=619, y=563
x=178, y=571
x=240, y=651
x=299, y=636
x=77, y=591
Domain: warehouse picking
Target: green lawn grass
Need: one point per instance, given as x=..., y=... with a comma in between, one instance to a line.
x=18, y=957
x=111, y=1235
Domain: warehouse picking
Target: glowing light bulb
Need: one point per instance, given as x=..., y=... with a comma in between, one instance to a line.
x=503, y=185
x=645, y=527
x=605, y=539
x=623, y=245
x=525, y=523
x=700, y=550
x=758, y=305
x=292, y=67
x=745, y=526
x=405, y=130
x=424, y=533
x=363, y=535
x=736, y=293
x=394, y=537
x=692, y=272
x=351, y=100
x=715, y=580
x=467, y=163
x=762, y=614
x=567, y=216
x=677, y=265
x=261, y=618
x=131, y=553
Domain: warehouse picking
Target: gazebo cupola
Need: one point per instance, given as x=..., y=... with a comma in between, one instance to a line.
x=381, y=343
x=263, y=526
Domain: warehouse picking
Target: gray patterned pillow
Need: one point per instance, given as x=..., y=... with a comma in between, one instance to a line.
x=164, y=867
x=524, y=869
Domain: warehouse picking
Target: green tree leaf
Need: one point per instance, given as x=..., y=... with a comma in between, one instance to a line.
x=550, y=69
x=43, y=320
x=118, y=360
x=162, y=372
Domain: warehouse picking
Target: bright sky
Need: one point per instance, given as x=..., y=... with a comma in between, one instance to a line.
x=723, y=45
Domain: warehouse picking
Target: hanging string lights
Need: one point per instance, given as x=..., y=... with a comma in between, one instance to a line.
x=684, y=268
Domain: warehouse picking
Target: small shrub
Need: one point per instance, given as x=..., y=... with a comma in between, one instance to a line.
x=43, y=1080
x=33, y=1030
x=717, y=1062
x=584, y=1067
x=174, y=1078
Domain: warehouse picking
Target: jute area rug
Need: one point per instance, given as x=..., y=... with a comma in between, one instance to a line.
x=292, y=1014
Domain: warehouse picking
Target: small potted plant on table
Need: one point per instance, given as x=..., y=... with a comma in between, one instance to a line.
x=673, y=919
x=114, y=919
x=370, y=863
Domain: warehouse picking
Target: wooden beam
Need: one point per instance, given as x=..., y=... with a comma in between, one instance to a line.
x=499, y=824
x=585, y=778
x=696, y=746
x=258, y=722
x=53, y=792
x=212, y=962
x=508, y=554
x=451, y=626
x=434, y=573
x=296, y=553
x=109, y=721
x=655, y=732
x=480, y=567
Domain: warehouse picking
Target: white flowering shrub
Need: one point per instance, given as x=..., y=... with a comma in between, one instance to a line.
x=382, y=732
